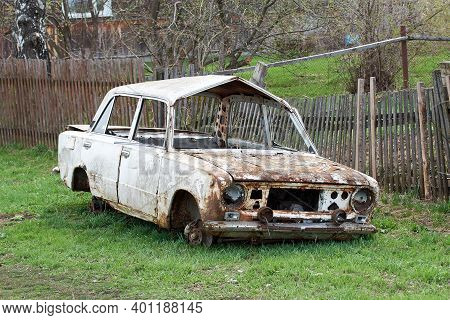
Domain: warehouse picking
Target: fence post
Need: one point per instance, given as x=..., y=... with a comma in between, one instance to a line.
x=373, y=138
x=259, y=74
x=404, y=54
x=359, y=99
x=447, y=84
x=423, y=139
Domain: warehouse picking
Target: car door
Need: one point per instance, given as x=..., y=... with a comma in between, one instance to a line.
x=138, y=178
x=102, y=148
x=101, y=158
x=141, y=160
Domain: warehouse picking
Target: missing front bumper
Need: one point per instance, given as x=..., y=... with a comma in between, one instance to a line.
x=280, y=231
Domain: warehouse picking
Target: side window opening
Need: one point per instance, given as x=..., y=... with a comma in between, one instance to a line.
x=151, y=126
x=117, y=118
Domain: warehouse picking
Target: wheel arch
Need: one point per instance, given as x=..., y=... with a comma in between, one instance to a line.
x=184, y=208
x=80, y=179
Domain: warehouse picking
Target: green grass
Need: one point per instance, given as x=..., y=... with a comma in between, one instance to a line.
x=421, y=68
x=306, y=79
x=66, y=252
x=321, y=77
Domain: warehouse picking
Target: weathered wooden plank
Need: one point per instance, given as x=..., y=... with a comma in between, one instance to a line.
x=41, y=119
x=400, y=133
x=10, y=102
x=332, y=132
x=440, y=166
x=350, y=146
x=358, y=107
x=319, y=117
x=416, y=161
x=23, y=82
x=390, y=142
x=12, y=89
x=373, y=137
x=395, y=138
x=310, y=115
x=364, y=133
x=338, y=131
x=380, y=161
x=323, y=117
x=431, y=147
x=441, y=108
x=4, y=104
x=328, y=118
x=407, y=127
x=423, y=138
x=385, y=154
x=316, y=120
x=344, y=150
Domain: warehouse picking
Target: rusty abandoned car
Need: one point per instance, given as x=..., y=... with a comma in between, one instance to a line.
x=217, y=157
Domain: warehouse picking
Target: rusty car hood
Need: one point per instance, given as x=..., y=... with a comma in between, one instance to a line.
x=281, y=166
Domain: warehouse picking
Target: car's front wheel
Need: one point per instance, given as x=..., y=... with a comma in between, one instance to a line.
x=195, y=234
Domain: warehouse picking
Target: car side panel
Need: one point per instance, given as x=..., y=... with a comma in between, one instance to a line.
x=69, y=155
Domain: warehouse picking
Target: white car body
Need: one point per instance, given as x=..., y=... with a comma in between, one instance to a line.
x=184, y=187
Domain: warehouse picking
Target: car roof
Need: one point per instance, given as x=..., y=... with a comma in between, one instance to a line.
x=171, y=90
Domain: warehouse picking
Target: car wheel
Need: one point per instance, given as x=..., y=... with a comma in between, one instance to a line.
x=195, y=235
x=97, y=205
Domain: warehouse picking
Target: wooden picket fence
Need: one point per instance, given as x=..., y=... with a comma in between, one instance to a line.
x=331, y=122
x=36, y=105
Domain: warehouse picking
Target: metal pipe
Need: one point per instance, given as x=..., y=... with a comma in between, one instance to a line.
x=339, y=52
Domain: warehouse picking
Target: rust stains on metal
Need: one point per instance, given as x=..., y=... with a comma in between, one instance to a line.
x=281, y=166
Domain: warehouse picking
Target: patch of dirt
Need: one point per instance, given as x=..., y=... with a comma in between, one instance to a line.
x=6, y=218
x=197, y=287
x=421, y=217
x=26, y=282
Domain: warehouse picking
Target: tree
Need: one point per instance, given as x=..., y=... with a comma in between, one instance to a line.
x=226, y=32
x=370, y=21
x=29, y=29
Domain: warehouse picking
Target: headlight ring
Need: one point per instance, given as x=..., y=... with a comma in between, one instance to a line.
x=362, y=200
x=234, y=194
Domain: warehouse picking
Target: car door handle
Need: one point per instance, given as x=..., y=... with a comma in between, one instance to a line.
x=125, y=153
x=87, y=144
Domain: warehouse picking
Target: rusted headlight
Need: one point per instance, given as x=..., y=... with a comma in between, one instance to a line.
x=234, y=194
x=362, y=200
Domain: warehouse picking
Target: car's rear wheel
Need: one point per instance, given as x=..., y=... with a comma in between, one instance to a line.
x=97, y=205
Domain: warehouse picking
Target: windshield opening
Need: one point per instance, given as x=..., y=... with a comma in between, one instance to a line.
x=207, y=122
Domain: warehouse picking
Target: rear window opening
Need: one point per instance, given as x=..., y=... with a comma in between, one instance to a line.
x=293, y=199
